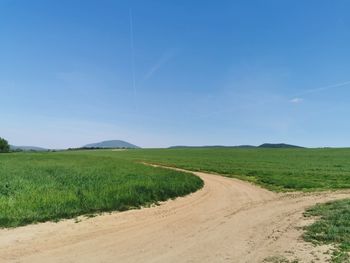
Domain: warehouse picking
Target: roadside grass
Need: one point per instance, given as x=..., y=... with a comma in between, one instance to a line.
x=38, y=187
x=275, y=169
x=331, y=227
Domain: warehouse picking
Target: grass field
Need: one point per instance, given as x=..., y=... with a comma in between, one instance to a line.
x=333, y=227
x=276, y=169
x=36, y=187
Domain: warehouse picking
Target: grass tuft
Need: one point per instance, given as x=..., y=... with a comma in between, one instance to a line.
x=332, y=227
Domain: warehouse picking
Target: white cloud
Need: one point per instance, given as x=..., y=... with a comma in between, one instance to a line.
x=296, y=100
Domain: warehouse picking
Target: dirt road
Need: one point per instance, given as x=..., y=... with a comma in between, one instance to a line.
x=227, y=221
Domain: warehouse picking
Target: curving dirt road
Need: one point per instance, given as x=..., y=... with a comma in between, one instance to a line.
x=227, y=221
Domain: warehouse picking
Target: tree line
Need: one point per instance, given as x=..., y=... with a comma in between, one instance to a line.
x=4, y=146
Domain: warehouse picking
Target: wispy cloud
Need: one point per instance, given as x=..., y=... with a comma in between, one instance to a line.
x=296, y=100
x=337, y=85
x=132, y=49
x=159, y=64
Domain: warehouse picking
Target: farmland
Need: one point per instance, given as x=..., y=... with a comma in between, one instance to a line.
x=36, y=187
x=275, y=169
x=49, y=186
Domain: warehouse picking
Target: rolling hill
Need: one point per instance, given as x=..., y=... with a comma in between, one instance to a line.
x=278, y=145
x=27, y=148
x=212, y=146
x=264, y=145
x=111, y=144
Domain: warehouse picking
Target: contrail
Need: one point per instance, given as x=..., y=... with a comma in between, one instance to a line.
x=132, y=54
x=163, y=60
x=324, y=88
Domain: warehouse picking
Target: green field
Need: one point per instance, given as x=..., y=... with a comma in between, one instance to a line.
x=333, y=227
x=275, y=169
x=36, y=187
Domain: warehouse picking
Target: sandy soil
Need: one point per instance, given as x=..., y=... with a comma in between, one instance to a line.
x=227, y=221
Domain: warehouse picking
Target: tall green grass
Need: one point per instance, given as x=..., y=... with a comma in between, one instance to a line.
x=36, y=187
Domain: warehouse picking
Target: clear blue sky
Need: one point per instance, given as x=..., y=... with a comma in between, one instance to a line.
x=205, y=72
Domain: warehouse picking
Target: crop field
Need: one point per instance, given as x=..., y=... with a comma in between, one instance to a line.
x=275, y=169
x=36, y=187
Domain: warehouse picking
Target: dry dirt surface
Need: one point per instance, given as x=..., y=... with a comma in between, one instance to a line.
x=227, y=221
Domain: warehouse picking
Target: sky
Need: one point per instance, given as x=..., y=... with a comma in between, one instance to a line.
x=159, y=73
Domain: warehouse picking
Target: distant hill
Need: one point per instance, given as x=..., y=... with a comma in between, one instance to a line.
x=278, y=145
x=111, y=144
x=213, y=146
x=265, y=145
x=27, y=148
